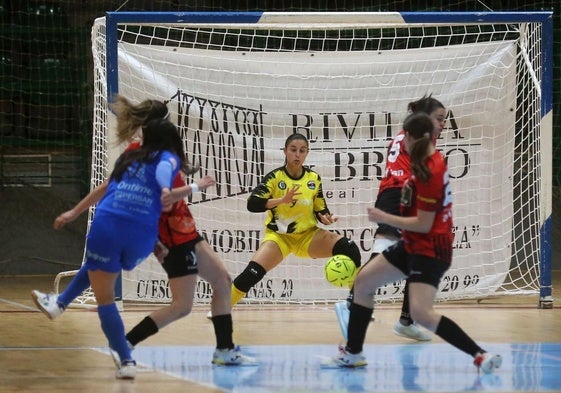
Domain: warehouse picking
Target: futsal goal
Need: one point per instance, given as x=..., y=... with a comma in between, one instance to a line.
x=238, y=83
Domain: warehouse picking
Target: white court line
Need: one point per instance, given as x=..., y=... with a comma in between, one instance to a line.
x=49, y=349
x=20, y=305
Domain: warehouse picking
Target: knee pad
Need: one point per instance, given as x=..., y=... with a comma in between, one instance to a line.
x=349, y=248
x=252, y=274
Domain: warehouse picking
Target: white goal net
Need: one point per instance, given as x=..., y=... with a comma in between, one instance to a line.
x=239, y=84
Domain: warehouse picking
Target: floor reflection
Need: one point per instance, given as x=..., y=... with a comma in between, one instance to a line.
x=404, y=368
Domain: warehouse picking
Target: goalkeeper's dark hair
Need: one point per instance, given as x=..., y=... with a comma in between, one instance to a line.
x=426, y=104
x=130, y=116
x=420, y=127
x=159, y=135
x=294, y=137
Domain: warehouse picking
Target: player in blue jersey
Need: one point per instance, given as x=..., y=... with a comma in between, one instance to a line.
x=180, y=264
x=125, y=227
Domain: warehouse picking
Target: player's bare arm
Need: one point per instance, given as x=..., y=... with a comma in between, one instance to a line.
x=181, y=192
x=89, y=200
x=160, y=251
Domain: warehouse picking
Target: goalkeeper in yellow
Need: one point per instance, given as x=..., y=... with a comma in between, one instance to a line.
x=293, y=198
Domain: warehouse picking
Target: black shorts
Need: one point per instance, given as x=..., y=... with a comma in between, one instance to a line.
x=181, y=259
x=388, y=201
x=418, y=268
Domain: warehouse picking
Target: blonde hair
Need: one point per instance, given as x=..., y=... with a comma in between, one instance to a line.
x=130, y=117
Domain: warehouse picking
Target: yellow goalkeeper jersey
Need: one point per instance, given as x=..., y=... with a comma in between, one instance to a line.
x=289, y=218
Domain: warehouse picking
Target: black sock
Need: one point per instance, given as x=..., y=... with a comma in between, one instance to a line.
x=405, y=317
x=144, y=329
x=223, y=331
x=449, y=331
x=358, y=323
x=352, y=291
x=350, y=297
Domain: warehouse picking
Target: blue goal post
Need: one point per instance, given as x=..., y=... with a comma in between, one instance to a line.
x=534, y=55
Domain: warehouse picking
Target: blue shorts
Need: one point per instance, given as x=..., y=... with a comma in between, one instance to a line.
x=114, y=243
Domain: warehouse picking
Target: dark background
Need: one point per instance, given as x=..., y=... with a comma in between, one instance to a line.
x=46, y=111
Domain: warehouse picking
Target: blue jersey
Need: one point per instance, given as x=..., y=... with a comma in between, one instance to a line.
x=125, y=226
x=137, y=196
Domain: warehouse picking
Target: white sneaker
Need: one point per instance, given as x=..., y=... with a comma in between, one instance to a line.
x=126, y=370
x=345, y=360
x=232, y=357
x=343, y=314
x=487, y=362
x=47, y=304
x=115, y=355
x=410, y=331
x=116, y=358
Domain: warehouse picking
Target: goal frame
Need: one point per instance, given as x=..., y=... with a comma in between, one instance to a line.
x=311, y=19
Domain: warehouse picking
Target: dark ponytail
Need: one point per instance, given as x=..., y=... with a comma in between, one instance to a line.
x=159, y=135
x=420, y=127
x=426, y=104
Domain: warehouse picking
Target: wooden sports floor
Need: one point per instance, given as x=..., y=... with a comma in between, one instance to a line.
x=70, y=354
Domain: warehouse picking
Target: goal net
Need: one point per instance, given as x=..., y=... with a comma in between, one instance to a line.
x=240, y=83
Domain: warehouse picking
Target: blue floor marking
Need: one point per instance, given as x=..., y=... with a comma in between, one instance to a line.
x=404, y=367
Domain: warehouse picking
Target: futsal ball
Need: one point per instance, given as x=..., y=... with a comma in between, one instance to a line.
x=340, y=271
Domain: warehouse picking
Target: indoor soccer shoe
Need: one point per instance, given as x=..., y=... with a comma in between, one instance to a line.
x=116, y=358
x=345, y=360
x=47, y=304
x=487, y=362
x=343, y=314
x=410, y=331
x=115, y=355
x=232, y=357
x=127, y=370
